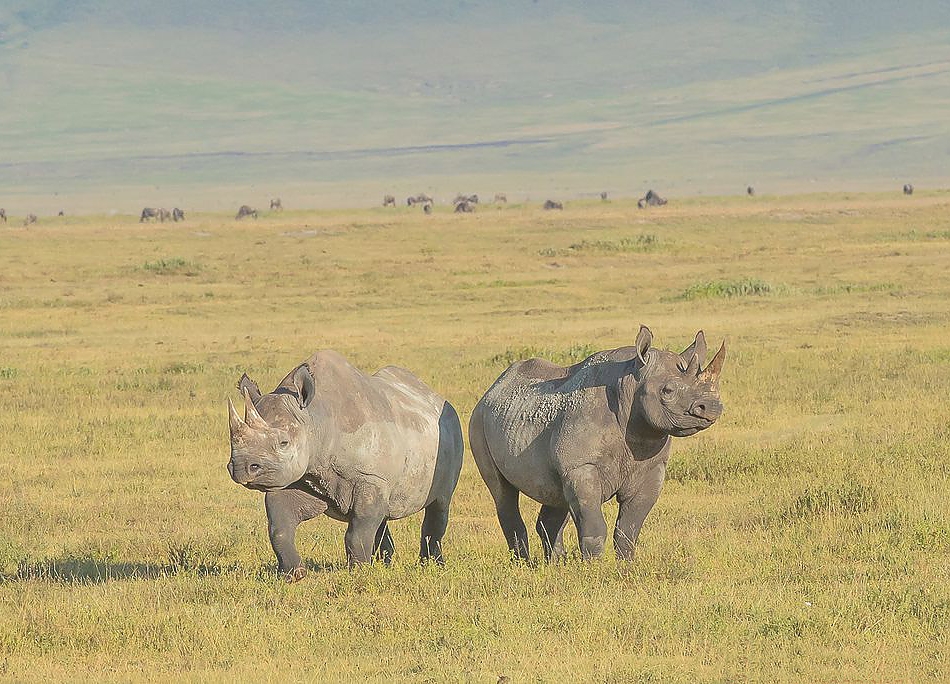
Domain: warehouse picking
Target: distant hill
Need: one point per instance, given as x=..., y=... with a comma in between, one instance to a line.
x=115, y=104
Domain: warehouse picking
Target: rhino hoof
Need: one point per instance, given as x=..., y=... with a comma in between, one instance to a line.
x=295, y=575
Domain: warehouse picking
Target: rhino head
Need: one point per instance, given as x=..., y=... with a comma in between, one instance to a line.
x=675, y=394
x=269, y=445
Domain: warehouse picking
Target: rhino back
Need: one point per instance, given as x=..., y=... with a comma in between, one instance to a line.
x=385, y=429
x=525, y=410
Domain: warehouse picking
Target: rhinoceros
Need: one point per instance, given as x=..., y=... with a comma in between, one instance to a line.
x=361, y=449
x=572, y=438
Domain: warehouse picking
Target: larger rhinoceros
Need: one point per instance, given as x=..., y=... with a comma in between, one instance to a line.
x=362, y=449
x=572, y=438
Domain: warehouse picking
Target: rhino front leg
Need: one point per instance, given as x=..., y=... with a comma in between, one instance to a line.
x=366, y=517
x=550, y=527
x=583, y=491
x=634, y=508
x=286, y=509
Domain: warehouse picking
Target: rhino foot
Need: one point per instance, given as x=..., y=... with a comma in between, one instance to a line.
x=295, y=575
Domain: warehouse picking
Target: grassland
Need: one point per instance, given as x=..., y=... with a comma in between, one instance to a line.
x=805, y=537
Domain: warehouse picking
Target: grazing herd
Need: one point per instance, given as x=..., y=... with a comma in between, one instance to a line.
x=463, y=204
x=366, y=449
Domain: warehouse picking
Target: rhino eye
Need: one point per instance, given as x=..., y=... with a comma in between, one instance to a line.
x=667, y=390
x=284, y=443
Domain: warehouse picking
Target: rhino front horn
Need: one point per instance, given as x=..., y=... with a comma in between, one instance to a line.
x=714, y=368
x=251, y=416
x=234, y=419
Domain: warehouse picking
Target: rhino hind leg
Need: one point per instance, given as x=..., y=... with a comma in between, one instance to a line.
x=385, y=546
x=583, y=491
x=550, y=527
x=433, y=529
x=503, y=492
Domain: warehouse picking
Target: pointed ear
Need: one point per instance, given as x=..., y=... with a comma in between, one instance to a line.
x=698, y=347
x=245, y=383
x=644, y=340
x=306, y=388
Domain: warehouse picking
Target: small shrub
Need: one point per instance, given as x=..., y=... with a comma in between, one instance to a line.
x=8, y=373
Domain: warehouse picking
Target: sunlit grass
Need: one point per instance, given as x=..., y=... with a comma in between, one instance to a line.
x=805, y=537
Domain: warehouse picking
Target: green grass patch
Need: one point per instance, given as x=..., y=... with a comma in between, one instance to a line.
x=727, y=289
x=562, y=357
x=640, y=243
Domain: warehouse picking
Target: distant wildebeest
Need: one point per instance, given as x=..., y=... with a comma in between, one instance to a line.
x=61, y=213
x=572, y=438
x=464, y=207
x=3, y=215
x=389, y=201
x=471, y=199
x=750, y=191
x=427, y=207
x=651, y=199
x=177, y=215
x=149, y=213
x=501, y=197
x=30, y=218
x=421, y=198
x=275, y=204
x=164, y=215
x=908, y=189
x=362, y=449
x=551, y=204
x=603, y=196
x=245, y=211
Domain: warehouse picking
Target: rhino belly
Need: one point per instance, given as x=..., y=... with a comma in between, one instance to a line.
x=526, y=461
x=412, y=473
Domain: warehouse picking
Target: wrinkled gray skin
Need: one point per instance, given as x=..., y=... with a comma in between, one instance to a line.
x=572, y=438
x=361, y=449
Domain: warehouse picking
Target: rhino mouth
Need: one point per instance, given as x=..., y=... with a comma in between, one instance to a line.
x=699, y=424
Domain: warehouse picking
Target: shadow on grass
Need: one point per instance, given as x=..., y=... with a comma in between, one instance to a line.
x=85, y=570
x=93, y=570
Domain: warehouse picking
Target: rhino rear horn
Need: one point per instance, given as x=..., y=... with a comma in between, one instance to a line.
x=251, y=416
x=698, y=347
x=712, y=371
x=306, y=388
x=644, y=339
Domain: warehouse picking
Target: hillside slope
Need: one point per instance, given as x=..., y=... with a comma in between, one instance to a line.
x=206, y=102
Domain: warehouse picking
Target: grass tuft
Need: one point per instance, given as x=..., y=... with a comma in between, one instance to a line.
x=172, y=266
x=848, y=498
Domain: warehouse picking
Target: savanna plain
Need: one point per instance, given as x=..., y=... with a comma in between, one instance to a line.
x=804, y=537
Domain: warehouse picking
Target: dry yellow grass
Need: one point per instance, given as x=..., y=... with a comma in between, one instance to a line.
x=805, y=537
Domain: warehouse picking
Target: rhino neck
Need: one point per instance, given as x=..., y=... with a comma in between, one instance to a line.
x=322, y=440
x=643, y=440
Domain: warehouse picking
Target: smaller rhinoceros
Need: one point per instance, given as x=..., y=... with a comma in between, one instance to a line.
x=362, y=449
x=572, y=438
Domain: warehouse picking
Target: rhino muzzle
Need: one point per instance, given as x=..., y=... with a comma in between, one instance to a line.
x=707, y=408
